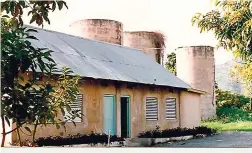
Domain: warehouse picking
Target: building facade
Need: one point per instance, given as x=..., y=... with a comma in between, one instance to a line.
x=198, y=60
x=123, y=93
x=127, y=110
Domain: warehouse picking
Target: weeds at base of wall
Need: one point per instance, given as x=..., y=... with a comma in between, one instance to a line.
x=91, y=139
x=129, y=142
x=176, y=132
x=144, y=139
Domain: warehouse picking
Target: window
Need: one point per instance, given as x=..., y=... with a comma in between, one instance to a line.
x=76, y=106
x=36, y=97
x=151, y=108
x=170, y=108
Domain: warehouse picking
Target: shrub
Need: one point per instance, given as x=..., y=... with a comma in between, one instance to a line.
x=232, y=107
x=93, y=138
x=157, y=133
x=229, y=99
x=147, y=134
x=204, y=130
x=232, y=114
x=176, y=132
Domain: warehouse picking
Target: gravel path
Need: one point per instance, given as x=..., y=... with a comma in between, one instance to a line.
x=222, y=140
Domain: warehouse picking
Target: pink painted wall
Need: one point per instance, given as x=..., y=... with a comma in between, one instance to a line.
x=190, y=109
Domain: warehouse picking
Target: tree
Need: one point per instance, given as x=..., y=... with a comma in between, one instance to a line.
x=171, y=63
x=31, y=101
x=231, y=23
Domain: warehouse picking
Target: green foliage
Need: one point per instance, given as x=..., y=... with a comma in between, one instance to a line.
x=231, y=23
x=234, y=126
x=233, y=114
x=32, y=101
x=43, y=100
x=39, y=10
x=232, y=107
x=229, y=99
x=171, y=63
x=243, y=72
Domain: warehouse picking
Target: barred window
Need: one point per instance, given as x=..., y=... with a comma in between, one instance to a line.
x=170, y=108
x=75, y=106
x=151, y=108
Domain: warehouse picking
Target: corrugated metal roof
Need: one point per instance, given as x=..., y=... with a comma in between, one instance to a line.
x=100, y=60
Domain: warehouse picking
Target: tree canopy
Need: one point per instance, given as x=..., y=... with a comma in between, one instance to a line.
x=231, y=22
x=32, y=101
x=171, y=63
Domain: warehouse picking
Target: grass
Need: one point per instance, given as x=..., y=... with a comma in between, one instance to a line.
x=234, y=126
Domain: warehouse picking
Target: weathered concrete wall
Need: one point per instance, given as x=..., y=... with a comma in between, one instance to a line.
x=143, y=40
x=93, y=95
x=190, y=109
x=99, y=29
x=195, y=65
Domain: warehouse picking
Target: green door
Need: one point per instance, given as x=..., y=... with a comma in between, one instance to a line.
x=128, y=117
x=109, y=115
x=125, y=116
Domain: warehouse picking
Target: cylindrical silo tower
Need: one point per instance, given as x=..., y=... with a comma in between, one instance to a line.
x=152, y=43
x=195, y=65
x=99, y=29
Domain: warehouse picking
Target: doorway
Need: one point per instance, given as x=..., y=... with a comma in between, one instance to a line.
x=125, y=116
x=109, y=115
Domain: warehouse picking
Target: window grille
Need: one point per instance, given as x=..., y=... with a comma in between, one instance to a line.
x=76, y=106
x=170, y=108
x=151, y=108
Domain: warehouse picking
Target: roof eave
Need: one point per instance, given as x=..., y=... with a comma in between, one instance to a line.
x=197, y=91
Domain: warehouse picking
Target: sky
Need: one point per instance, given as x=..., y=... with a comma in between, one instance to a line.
x=171, y=17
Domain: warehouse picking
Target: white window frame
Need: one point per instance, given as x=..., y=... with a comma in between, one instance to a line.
x=169, y=106
x=78, y=102
x=151, y=108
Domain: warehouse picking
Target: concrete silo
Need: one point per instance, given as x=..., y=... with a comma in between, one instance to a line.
x=152, y=43
x=99, y=29
x=196, y=66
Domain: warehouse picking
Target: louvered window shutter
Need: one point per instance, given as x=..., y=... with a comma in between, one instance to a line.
x=170, y=108
x=76, y=105
x=151, y=108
